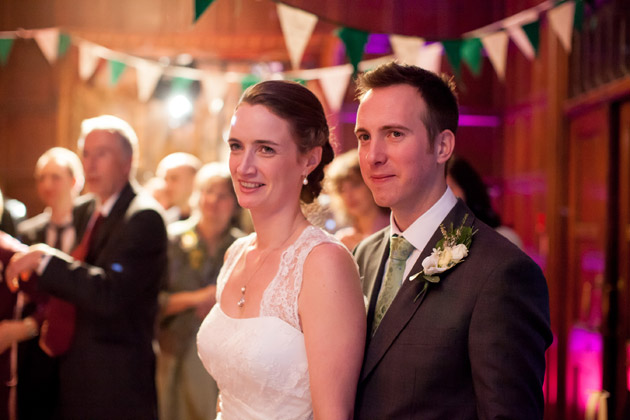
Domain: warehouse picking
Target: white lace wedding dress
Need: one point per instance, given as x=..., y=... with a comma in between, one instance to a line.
x=260, y=363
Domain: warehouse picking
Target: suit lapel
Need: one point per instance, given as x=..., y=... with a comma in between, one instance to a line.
x=408, y=299
x=108, y=226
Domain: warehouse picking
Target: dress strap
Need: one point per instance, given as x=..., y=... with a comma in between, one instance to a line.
x=280, y=299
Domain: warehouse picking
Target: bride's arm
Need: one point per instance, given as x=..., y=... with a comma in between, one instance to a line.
x=332, y=314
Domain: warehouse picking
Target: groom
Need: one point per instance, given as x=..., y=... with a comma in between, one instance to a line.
x=464, y=336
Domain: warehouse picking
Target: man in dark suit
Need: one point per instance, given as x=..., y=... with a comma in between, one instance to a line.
x=108, y=372
x=458, y=329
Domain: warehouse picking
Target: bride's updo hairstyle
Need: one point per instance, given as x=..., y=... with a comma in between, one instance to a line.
x=302, y=110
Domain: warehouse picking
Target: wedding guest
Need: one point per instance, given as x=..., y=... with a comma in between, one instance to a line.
x=178, y=171
x=108, y=372
x=458, y=317
x=353, y=201
x=285, y=339
x=185, y=389
x=156, y=186
x=467, y=184
x=59, y=179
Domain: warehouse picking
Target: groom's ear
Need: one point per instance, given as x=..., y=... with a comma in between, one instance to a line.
x=444, y=146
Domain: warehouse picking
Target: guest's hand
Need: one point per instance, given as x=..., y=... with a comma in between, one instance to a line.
x=9, y=243
x=13, y=331
x=23, y=264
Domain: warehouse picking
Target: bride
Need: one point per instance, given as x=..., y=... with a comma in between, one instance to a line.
x=285, y=339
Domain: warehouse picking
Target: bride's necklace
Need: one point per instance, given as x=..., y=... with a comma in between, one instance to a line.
x=241, y=301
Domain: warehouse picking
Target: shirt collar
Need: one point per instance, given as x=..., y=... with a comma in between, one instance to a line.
x=106, y=207
x=423, y=228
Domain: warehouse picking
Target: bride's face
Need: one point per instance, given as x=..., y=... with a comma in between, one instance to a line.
x=267, y=169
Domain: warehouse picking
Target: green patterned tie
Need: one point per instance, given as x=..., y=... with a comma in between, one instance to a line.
x=399, y=250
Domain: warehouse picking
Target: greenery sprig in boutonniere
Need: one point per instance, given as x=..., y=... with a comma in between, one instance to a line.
x=448, y=252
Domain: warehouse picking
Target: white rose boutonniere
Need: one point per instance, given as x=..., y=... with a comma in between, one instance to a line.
x=448, y=252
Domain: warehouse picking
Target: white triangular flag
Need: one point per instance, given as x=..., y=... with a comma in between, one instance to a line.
x=561, y=22
x=297, y=27
x=406, y=48
x=496, y=46
x=147, y=77
x=48, y=42
x=430, y=57
x=215, y=87
x=521, y=40
x=514, y=27
x=88, y=60
x=334, y=82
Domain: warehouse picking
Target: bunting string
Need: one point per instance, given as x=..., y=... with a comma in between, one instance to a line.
x=297, y=26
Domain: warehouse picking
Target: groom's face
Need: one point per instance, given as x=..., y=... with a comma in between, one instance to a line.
x=397, y=162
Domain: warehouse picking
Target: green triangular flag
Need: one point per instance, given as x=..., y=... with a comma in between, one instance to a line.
x=64, y=44
x=453, y=50
x=200, y=7
x=5, y=49
x=355, y=41
x=532, y=30
x=578, y=18
x=180, y=84
x=471, y=54
x=115, y=70
x=249, y=80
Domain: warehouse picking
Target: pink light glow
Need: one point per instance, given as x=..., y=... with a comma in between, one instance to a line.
x=585, y=371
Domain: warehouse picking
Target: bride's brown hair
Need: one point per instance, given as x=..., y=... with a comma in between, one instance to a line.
x=299, y=107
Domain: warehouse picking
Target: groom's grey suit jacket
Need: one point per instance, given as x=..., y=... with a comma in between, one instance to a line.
x=469, y=347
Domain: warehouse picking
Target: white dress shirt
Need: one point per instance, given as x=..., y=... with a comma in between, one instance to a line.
x=420, y=231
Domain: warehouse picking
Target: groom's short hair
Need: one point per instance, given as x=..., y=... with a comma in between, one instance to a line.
x=438, y=92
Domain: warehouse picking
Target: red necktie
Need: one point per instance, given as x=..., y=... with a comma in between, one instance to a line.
x=58, y=328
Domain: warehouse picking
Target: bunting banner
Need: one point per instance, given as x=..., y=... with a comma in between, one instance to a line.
x=64, y=44
x=453, y=51
x=515, y=28
x=532, y=30
x=355, y=41
x=5, y=49
x=471, y=54
x=200, y=7
x=88, y=60
x=522, y=28
x=496, y=46
x=561, y=21
x=297, y=27
x=148, y=75
x=406, y=48
x=48, y=43
x=116, y=69
x=431, y=57
x=334, y=82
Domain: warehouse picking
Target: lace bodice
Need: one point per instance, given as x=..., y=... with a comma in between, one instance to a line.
x=260, y=363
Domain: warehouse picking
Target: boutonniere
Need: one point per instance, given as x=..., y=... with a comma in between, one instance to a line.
x=448, y=252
